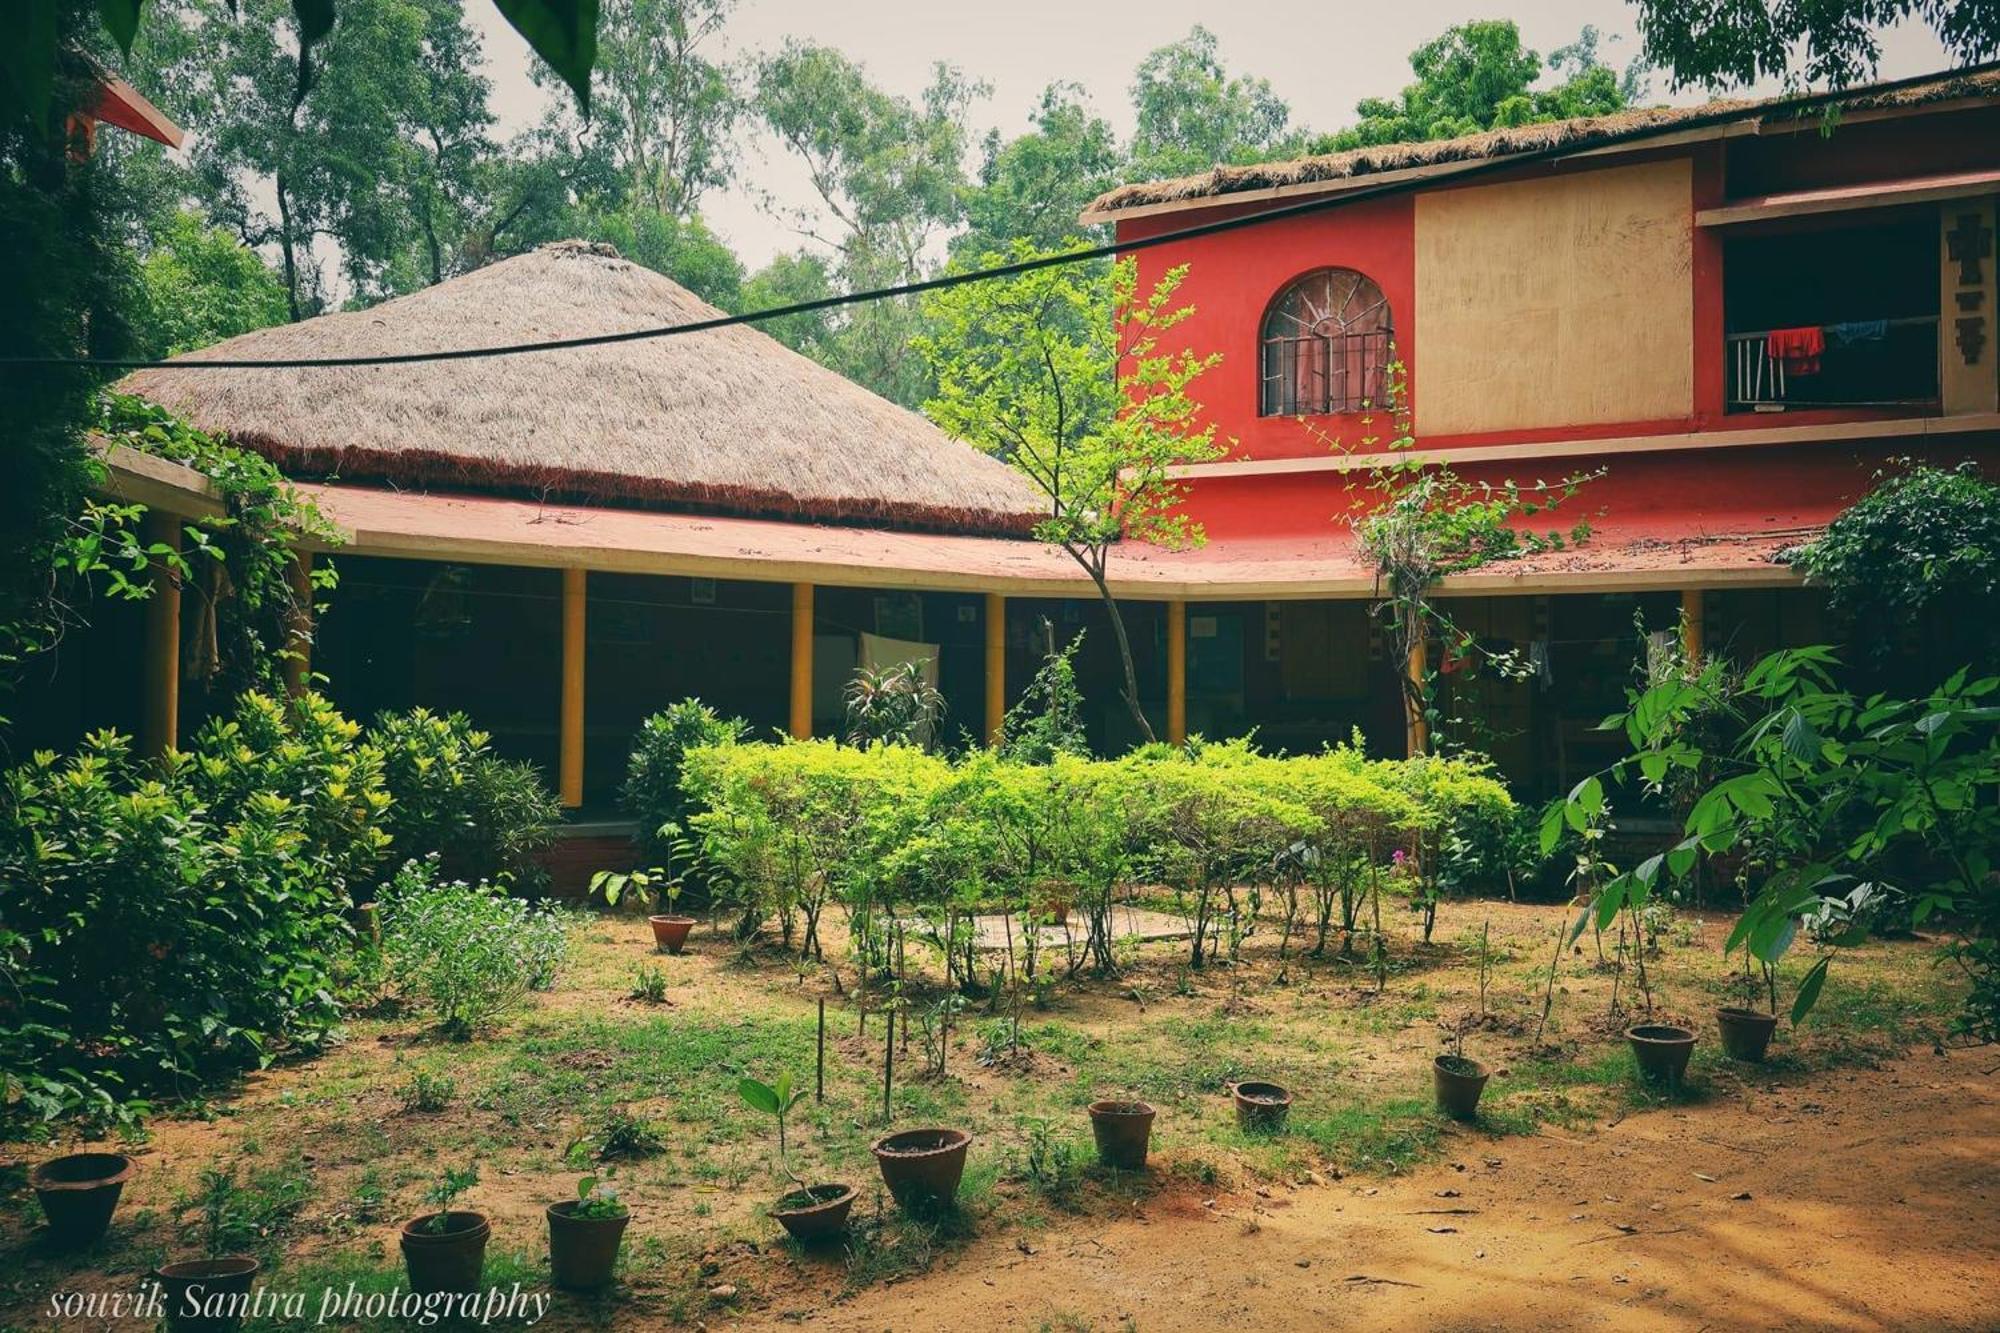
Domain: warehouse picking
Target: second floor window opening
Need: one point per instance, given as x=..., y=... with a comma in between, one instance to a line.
x=1326, y=346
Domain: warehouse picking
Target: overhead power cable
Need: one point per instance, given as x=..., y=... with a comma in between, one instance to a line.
x=1784, y=107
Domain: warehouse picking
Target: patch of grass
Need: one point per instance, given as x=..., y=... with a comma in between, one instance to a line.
x=1390, y=1136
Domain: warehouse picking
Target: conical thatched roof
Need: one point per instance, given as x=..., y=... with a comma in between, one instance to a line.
x=1581, y=133
x=728, y=419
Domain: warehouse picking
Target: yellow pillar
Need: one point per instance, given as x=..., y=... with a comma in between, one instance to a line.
x=802, y=661
x=159, y=728
x=1177, y=673
x=1693, y=624
x=1419, y=738
x=299, y=665
x=996, y=665
x=570, y=732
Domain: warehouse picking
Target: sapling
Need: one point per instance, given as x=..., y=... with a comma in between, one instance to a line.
x=775, y=1100
x=645, y=886
x=445, y=1191
x=596, y=1202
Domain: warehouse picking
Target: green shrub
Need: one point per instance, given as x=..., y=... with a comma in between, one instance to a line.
x=169, y=922
x=652, y=790
x=483, y=817
x=466, y=952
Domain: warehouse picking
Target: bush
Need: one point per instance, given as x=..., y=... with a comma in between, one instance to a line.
x=467, y=952
x=484, y=817
x=652, y=790
x=168, y=923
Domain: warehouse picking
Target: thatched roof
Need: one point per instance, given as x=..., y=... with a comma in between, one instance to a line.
x=1582, y=133
x=728, y=419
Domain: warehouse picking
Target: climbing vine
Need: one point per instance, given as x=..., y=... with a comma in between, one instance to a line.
x=236, y=566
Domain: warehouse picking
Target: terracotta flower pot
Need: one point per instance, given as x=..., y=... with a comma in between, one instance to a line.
x=79, y=1193
x=1123, y=1130
x=1746, y=1033
x=449, y=1260
x=670, y=932
x=1459, y=1082
x=922, y=1167
x=1261, y=1107
x=583, y=1250
x=206, y=1295
x=816, y=1212
x=1662, y=1050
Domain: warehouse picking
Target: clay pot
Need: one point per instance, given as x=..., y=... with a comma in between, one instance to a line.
x=670, y=932
x=450, y=1260
x=78, y=1194
x=1746, y=1033
x=922, y=1167
x=583, y=1250
x=206, y=1295
x=1261, y=1107
x=1459, y=1082
x=818, y=1211
x=1123, y=1131
x=1662, y=1050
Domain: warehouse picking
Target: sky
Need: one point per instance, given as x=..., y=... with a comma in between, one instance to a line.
x=1321, y=56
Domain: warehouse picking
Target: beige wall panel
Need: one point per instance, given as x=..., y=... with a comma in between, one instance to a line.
x=1556, y=302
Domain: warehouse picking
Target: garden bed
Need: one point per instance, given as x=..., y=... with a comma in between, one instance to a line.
x=332, y=1154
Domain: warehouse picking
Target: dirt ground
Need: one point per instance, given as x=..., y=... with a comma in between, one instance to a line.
x=1868, y=1149
x=1869, y=1201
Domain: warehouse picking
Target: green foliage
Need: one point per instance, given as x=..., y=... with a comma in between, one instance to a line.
x=483, y=817
x=1033, y=187
x=1065, y=373
x=1051, y=1161
x=445, y=1191
x=428, y=1093
x=1832, y=799
x=596, y=1201
x=245, y=1218
x=202, y=285
x=652, y=790
x=1924, y=540
x=1478, y=76
x=243, y=560
x=1192, y=114
x=896, y=705
x=1047, y=720
x=169, y=923
x=1831, y=43
x=467, y=953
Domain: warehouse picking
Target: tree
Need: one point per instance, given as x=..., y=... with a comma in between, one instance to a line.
x=383, y=160
x=1477, y=76
x=1192, y=113
x=1033, y=186
x=202, y=285
x=889, y=176
x=1062, y=373
x=1832, y=43
x=664, y=109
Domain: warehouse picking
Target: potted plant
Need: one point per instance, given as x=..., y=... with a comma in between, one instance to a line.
x=584, y=1234
x=445, y=1249
x=922, y=1167
x=1124, y=1131
x=1261, y=1107
x=809, y=1212
x=1459, y=1080
x=209, y=1295
x=78, y=1194
x=670, y=929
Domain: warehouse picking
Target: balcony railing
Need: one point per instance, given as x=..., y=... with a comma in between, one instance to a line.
x=1897, y=369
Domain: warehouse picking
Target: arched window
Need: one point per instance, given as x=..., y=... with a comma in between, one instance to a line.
x=1326, y=346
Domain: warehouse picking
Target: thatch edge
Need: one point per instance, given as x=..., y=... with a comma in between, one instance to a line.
x=1579, y=133
x=426, y=470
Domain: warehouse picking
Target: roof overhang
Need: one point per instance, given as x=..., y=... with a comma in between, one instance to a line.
x=119, y=103
x=1852, y=198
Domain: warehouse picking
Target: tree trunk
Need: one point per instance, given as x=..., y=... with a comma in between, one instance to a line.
x=1124, y=654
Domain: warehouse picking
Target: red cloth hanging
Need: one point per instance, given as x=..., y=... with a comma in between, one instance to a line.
x=1797, y=350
